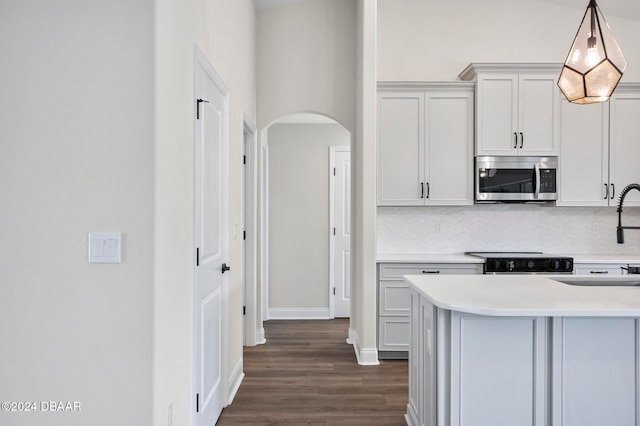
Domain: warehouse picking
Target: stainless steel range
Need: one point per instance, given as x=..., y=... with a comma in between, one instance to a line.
x=523, y=263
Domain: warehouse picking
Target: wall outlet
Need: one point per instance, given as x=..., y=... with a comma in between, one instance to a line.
x=595, y=227
x=170, y=414
x=436, y=226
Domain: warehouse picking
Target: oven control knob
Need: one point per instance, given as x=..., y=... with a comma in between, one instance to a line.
x=530, y=264
x=496, y=265
x=567, y=266
x=556, y=264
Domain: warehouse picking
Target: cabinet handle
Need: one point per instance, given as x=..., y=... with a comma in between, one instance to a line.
x=421, y=189
x=430, y=272
x=599, y=272
x=515, y=137
x=613, y=191
x=606, y=191
x=428, y=190
x=521, y=140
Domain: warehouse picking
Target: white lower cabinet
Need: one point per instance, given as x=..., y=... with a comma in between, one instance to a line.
x=478, y=370
x=394, y=301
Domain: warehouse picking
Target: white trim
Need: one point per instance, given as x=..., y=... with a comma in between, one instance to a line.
x=299, y=313
x=250, y=218
x=264, y=222
x=332, y=224
x=412, y=86
x=470, y=72
x=235, y=380
x=260, y=339
x=365, y=356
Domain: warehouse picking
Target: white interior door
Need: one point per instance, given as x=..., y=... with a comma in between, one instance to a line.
x=211, y=245
x=340, y=256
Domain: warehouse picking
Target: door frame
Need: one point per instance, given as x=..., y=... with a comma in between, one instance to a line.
x=264, y=222
x=253, y=334
x=201, y=62
x=332, y=223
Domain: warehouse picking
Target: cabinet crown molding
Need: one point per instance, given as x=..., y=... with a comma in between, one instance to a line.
x=422, y=85
x=472, y=70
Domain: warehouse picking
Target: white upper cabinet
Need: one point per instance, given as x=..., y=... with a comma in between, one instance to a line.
x=425, y=144
x=600, y=150
x=624, y=142
x=400, y=171
x=517, y=108
x=584, y=155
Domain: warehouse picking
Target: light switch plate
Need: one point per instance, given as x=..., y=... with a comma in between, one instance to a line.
x=105, y=247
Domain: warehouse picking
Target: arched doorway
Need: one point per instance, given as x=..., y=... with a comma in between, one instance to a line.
x=299, y=190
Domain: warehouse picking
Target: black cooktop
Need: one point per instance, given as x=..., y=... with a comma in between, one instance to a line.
x=533, y=262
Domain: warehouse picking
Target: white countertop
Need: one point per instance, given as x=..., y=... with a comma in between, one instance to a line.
x=428, y=258
x=526, y=295
x=463, y=258
x=606, y=258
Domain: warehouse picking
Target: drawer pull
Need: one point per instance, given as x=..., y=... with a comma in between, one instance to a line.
x=430, y=272
x=599, y=272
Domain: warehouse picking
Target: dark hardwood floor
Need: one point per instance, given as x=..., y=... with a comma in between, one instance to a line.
x=306, y=374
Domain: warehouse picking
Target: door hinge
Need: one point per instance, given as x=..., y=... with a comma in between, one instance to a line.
x=334, y=291
x=334, y=171
x=334, y=231
x=244, y=159
x=244, y=310
x=244, y=235
x=197, y=403
x=198, y=102
x=197, y=256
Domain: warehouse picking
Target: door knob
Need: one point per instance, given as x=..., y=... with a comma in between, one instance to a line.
x=225, y=268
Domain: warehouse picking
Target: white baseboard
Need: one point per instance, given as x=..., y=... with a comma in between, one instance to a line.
x=365, y=356
x=260, y=339
x=235, y=380
x=299, y=313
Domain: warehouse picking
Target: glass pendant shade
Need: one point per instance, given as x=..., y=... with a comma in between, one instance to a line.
x=595, y=63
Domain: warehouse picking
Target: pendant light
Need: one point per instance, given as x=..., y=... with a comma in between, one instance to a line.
x=595, y=63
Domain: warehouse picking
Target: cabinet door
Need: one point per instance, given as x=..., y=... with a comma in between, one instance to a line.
x=496, y=114
x=538, y=110
x=584, y=155
x=449, y=148
x=624, y=145
x=400, y=149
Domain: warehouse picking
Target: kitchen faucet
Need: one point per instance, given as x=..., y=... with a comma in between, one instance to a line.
x=621, y=228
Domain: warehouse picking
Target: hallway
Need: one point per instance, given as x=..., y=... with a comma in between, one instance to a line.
x=307, y=374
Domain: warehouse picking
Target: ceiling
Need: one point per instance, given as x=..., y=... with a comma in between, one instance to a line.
x=622, y=8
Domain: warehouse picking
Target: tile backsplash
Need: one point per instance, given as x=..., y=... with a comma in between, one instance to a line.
x=506, y=227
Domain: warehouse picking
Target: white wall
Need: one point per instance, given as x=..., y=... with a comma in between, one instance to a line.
x=362, y=328
x=435, y=40
x=76, y=155
x=225, y=32
x=299, y=216
x=307, y=60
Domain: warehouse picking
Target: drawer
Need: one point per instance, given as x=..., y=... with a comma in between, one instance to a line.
x=394, y=333
x=395, y=271
x=393, y=298
x=599, y=269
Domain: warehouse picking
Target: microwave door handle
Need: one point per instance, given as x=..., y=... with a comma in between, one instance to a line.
x=536, y=183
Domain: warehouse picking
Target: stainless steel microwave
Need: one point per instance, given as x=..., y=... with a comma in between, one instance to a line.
x=516, y=179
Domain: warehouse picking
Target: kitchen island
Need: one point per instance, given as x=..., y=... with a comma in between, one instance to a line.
x=523, y=350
